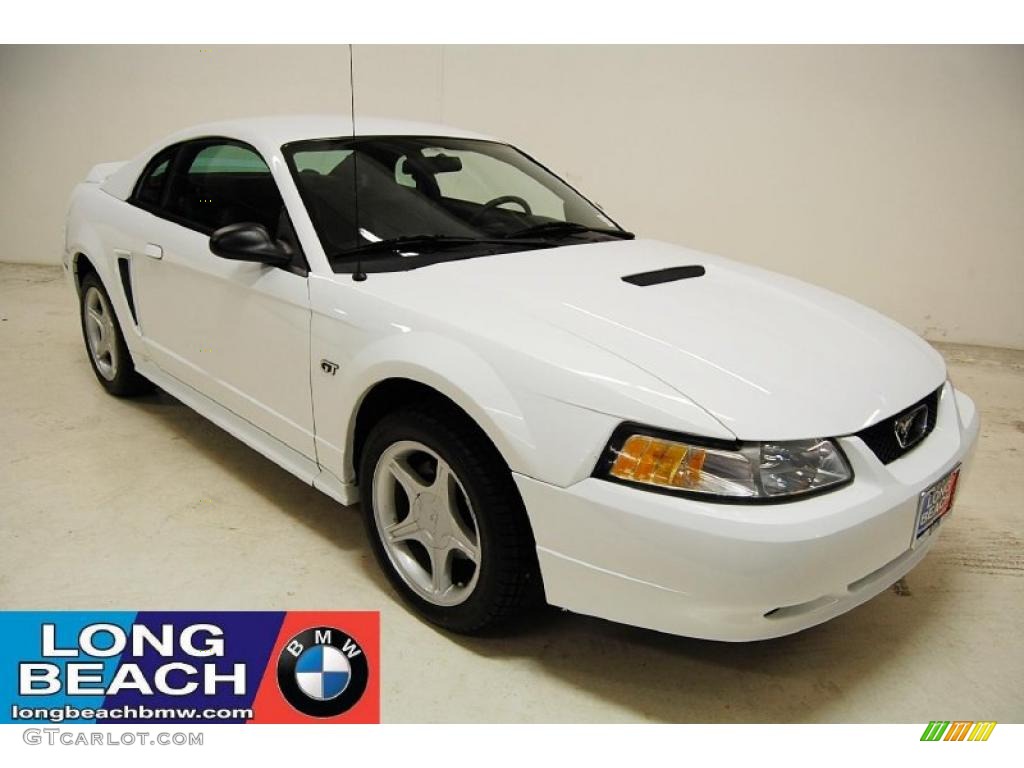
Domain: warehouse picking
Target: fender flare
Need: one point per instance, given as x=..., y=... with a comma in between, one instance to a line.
x=453, y=370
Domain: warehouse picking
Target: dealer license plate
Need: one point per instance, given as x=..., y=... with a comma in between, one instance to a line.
x=935, y=503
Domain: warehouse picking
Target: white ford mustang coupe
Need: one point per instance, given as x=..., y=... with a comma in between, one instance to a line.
x=528, y=402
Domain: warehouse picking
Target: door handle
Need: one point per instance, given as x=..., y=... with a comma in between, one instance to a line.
x=154, y=251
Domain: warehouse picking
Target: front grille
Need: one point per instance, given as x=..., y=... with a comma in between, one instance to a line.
x=881, y=437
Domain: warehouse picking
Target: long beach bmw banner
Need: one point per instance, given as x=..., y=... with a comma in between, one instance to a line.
x=189, y=667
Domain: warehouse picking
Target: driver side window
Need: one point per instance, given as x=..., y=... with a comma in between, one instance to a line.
x=224, y=182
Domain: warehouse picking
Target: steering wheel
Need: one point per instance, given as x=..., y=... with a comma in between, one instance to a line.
x=490, y=205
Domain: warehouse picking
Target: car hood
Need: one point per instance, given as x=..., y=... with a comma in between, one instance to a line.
x=768, y=356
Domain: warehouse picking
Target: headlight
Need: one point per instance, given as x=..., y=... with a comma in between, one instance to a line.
x=755, y=472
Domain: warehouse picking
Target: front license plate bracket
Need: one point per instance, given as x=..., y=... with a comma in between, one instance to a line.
x=934, y=504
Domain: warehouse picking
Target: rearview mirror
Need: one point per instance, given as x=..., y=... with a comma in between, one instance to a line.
x=249, y=242
x=432, y=164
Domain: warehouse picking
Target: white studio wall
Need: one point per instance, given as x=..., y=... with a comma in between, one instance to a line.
x=66, y=108
x=894, y=175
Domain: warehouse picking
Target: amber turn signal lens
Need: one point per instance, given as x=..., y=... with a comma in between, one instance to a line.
x=645, y=459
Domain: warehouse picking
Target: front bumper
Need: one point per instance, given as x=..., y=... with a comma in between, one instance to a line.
x=742, y=572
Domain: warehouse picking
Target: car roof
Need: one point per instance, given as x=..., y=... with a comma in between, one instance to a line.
x=268, y=134
x=282, y=129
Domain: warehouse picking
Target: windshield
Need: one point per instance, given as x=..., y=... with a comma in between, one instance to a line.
x=439, y=197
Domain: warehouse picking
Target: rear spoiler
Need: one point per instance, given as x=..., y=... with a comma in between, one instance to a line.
x=102, y=172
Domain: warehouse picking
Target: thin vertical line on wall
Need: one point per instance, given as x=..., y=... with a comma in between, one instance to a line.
x=352, y=87
x=440, y=88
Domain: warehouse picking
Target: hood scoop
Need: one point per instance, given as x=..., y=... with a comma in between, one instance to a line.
x=669, y=275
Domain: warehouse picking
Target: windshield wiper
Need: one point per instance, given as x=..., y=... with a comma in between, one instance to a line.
x=429, y=243
x=567, y=228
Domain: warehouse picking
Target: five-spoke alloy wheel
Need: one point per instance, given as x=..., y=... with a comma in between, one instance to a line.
x=426, y=523
x=100, y=335
x=104, y=342
x=445, y=518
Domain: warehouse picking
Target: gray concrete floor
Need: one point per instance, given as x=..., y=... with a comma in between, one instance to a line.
x=108, y=503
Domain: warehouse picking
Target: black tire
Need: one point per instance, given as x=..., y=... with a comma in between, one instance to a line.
x=121, y=379
x=508, y=581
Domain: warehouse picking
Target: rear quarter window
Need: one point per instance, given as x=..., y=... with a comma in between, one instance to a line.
x=150, y=189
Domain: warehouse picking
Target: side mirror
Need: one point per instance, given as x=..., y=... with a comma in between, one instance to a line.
x=249, y=242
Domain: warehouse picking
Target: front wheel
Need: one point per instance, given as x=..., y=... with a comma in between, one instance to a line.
x=108, y=353
x=446, y=521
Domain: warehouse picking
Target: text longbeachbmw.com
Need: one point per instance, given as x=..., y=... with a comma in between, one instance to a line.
x=69, y=713
x=182, y=667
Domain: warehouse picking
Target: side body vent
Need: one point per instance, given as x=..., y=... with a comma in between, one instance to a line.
x=124, y=268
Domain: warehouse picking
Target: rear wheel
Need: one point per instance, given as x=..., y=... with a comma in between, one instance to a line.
x=446, y=521
x=108, y=353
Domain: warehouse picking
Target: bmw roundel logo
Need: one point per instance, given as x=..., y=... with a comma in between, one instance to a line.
x=322, y=672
